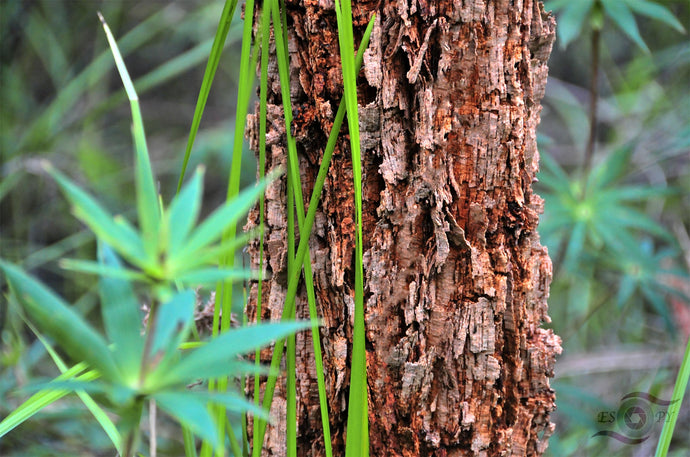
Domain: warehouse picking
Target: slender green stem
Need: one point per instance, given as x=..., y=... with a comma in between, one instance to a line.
x=678, y=394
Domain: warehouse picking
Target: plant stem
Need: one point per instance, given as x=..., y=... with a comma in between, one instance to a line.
x=153, y=441
x=593, y=97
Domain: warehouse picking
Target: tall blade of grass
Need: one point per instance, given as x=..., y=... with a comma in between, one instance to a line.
x=357, y=441
x=147, y=197
x=291, y=352
x=210, y=72
x=223, y=305
x=305, y=230
x=679, y=390
x=263, y=96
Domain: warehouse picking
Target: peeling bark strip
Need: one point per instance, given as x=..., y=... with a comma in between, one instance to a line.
x=456, y=279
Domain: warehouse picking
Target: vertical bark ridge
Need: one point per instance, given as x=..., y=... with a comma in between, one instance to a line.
x=456, y=280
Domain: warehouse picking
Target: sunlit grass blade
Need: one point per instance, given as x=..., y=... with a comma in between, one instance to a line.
x=40, y=400
x=101, y=417
x=147, y=198
x=121, y=316
x=56, y=319
x=679, y=390
x=305, y=230
x=210, y=72
x=357, y=440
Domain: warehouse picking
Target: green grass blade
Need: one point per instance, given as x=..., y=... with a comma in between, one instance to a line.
x=357, y=442
x=205, y=276
x=300, y=256
x=147, y=197
x=40, y=400
x=59, y=321
x=679, y=390
x=121, y=316
x=623, y=17
x=210, y=72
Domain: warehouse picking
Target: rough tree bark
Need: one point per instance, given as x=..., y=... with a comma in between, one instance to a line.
x=456, y=279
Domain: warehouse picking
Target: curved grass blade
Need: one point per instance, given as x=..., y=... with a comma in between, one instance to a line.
x=184, y=212
x=147, y=197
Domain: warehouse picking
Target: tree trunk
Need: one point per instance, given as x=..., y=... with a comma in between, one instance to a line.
x=456, y=280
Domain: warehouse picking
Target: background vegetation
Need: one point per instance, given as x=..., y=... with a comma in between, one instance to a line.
x=616, y=224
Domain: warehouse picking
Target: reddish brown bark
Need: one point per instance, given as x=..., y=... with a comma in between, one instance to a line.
x=456, y=280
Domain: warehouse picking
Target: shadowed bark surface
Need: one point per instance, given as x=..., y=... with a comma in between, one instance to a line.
x=456, y=280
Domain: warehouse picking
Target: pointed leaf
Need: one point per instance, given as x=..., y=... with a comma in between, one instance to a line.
x=56, y=319
x=575, y=246
x=121, y=317
x=620, y=13
x=95, y=268
x=227, y=346
x=114, y=231
x=610, y=169
x=173, y=322
x=214, y=226
x=571, y=19
x=212, y=255
x=191, y=411
x=205, y=276
x=655, y=11
x=184, y=212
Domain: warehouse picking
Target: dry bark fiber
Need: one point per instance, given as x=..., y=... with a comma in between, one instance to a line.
x=456, y=279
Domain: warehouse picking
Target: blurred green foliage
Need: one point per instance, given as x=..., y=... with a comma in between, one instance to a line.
x=617, y=225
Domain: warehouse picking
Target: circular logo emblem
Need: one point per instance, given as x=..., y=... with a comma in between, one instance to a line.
x=635, y=418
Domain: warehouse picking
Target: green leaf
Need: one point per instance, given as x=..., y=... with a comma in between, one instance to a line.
x=56, y=319
x=184, y=212
x=173, y=322
x=213, y=227
x=571, y=19
x=610, y=169
x=117, y=232
x=212, y=254
x=95, y=268
x=121, y=317
x=575, y=246
x=655, y=11
x=224, y=348
x=192, y=412
x=205, y=276
x=620, y=13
